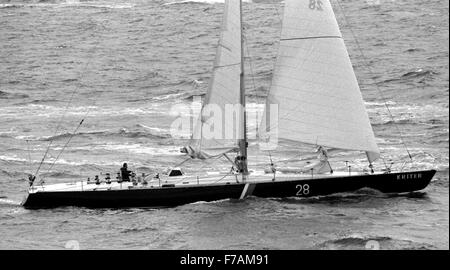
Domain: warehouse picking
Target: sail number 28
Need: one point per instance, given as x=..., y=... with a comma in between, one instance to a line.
x=302, y=190
x=315, y=5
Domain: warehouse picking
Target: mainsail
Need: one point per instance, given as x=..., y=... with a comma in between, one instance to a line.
x=219, y=128
x=314, y=85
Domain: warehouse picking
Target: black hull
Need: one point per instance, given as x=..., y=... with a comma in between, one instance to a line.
x=386, y=183
x=173, y=196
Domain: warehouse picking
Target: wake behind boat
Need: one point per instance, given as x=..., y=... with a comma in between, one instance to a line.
x=314, y=99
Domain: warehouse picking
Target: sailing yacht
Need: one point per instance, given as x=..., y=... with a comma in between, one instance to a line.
x=314, y=99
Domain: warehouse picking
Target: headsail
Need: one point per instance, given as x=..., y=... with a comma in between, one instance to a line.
x=314, y=84
x=215, y=134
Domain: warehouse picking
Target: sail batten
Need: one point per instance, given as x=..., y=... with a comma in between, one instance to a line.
x=316, y=37
x=314, y=85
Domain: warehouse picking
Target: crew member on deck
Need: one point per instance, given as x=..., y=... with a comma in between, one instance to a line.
x=323, y=157
x=108, y=178
x=125, y=173
x=323, y=154
x=31, y=179
x=371, y=168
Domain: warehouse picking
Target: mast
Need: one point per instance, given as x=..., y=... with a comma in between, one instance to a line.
x=243, y=141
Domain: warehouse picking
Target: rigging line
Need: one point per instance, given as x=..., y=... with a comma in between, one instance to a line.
x=229, y=159
x=224, y=66
x=75, y=131
x=199, y=179
x=215, y=182
x=250, y=64
x=29, y=154
x=373, y=77
x=266, y=103
x=292, y=159
x=272, y=164
x=311, y=37
x=295, y=158
x=69, y=103
x=177, y=182
x=57, y=128
x=254, y=89
x=65, y=145
x=181, y=163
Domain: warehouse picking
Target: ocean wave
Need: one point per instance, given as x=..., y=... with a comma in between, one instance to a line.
x=155, y=131
x=11, y=6
x=355, y=240
x=86, y=164
x=120, y=133
x=393, y=122
x=41, y=110
x=6, y=95
x=259, y=92
x=11, y=174
x=338, y=198
x=380, y=104
x=27, y=137
x=412, y=195
x=414, y=50
x=434, y=115
x=7, y=202
x=373, y=243
x=60, y=175
x=37, y=101
x=140, y=149
x=192, y=97
x=70, y=4
x=138, y=230
x=198, y=2
x=148, y=133
x=168, y=96
x=419, y=74
x=6, y=135
x=12, y=158
x=68, y=135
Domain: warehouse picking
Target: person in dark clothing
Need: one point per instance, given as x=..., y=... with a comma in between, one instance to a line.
x=31, y=179
x=108, y=178
x=125, y=173
x=97, y=180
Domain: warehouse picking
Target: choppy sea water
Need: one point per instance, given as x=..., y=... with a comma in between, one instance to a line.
x=123, y=64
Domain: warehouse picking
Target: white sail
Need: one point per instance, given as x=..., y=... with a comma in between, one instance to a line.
x=215, y=134
x=314, y=84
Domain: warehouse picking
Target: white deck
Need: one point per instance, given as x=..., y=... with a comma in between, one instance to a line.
x=181, y=181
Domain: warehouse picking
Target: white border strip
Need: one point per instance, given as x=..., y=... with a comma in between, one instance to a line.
x=244, y=191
